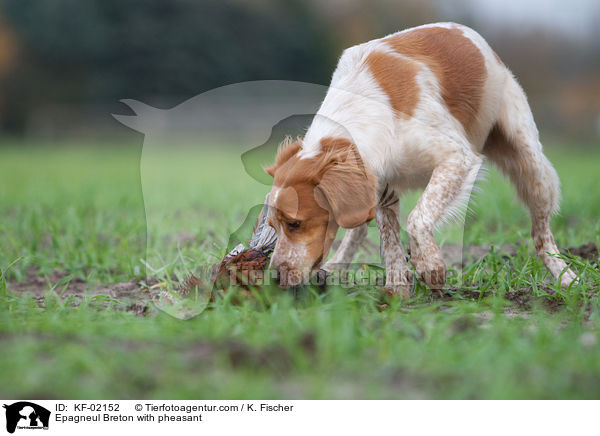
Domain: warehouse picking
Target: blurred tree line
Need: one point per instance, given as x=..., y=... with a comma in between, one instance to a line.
x=99, y=51
x=95, y=52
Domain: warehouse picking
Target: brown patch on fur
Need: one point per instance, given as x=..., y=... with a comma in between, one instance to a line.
x=347, y=184
x=331, y=145
x=396, y=76
x=316, y=231
x=338, y=173
x=455, y=60
x=297, y=202
x=286, y=150
x=333, y=188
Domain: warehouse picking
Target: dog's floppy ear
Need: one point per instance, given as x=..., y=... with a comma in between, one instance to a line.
x=286, y=150
x=347, y=186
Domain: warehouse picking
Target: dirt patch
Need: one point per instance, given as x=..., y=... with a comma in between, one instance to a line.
x=520, y=297
x=273, y=357
x=132, y=296
x=461, y=255
x=38, y=286
x=456, y=254
x=308, y=342
x=452, y=293
x=136, y=296
x=463, y=324
x=132, y=289
x=524, y=299
x=587, y=251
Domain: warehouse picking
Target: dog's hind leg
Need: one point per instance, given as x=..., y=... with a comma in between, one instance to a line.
x=514, y=146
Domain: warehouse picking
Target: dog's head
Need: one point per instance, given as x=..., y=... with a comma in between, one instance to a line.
x=312, y=196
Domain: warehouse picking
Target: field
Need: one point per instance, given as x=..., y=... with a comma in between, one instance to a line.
x=77, y=321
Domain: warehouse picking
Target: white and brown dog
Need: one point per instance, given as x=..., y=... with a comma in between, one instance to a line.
x=417, y=109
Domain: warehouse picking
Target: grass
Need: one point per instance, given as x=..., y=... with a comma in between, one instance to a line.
x=81, y=210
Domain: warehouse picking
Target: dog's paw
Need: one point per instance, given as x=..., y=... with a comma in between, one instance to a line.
x=398, y=291
x=568, y=278
x=399, y=283
x=431, y=269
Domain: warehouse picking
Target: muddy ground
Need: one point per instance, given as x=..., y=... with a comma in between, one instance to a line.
x=137, y=296
x=132, y=295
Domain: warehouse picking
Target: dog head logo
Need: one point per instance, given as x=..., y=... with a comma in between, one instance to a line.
x=177, y=163
x=26, y=415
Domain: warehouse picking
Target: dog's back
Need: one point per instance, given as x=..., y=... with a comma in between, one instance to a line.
x=387, y=92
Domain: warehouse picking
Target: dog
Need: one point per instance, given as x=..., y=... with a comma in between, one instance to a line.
x=418, y=109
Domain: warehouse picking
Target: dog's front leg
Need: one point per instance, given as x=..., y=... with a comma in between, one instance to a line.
x=398, y=275
x=449, y=186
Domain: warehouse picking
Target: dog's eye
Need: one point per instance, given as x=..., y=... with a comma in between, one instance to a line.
x=293, y=225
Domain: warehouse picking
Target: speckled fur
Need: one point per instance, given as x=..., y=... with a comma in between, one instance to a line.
x=398, y=277
x=434, y=137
